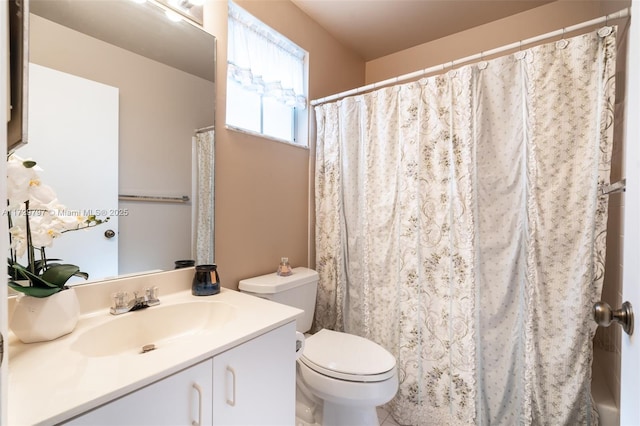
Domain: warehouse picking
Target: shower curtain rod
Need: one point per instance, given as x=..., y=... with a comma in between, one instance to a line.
x=449, y=65
x=205, y=129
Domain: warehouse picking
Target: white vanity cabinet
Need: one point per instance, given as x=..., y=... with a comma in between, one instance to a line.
x=179, y=399
x=250, y=384
x=255, y=383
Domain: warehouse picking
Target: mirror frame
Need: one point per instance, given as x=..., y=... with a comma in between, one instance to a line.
x=19, y=73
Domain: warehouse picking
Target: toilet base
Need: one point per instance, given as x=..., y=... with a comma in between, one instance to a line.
x=311, y=411
x=339, y=415
x=305, y=415
x=300, y=422
x=336, y=415
x=322, y=400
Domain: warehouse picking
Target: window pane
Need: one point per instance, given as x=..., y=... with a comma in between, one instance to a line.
x=277, y=120
x=243, y=107
x=265, y=71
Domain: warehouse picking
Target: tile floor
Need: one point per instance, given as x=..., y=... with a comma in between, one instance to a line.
x=385, y=418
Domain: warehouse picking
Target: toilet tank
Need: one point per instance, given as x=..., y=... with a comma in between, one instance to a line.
x=297, y=290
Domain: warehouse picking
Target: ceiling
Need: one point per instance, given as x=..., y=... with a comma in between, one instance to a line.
x=376, y=28
x=371, y=28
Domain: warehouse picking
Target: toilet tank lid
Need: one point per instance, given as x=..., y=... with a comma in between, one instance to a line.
x=274, y=283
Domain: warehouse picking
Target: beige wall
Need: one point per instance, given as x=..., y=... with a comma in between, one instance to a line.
x=262, y=188
x=543, y=19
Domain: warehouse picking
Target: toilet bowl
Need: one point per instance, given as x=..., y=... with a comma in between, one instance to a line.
x=350, y=376
x=341, y=378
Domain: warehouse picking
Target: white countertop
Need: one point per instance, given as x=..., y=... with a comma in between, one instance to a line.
x=50, y=382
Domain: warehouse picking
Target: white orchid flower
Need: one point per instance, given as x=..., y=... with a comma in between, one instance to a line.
x=36, y=218
x=23, y=184
x=68, y=222
x=44, y=228
x=19, y=239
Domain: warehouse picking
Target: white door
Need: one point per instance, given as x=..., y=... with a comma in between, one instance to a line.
x=73, y=136
x=630, y=370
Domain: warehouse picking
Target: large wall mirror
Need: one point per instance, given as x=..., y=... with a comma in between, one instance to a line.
x=161, y=74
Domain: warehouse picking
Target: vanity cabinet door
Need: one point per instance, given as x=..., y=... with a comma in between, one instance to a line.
x=181, y=399
x=255, y=383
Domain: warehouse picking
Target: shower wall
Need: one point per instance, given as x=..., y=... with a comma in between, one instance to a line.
x=607, y=342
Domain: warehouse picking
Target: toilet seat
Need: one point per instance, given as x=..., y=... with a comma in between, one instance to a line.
x=347, y=357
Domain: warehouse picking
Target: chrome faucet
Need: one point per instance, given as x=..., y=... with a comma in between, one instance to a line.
x=122, y=304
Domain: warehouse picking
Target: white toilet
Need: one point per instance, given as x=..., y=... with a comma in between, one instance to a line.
x=341, y=378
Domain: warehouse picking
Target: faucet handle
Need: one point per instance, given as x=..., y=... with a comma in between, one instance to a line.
x=151, y=294
x=120, y=299
x=120, y=302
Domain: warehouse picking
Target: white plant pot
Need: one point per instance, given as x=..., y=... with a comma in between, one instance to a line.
x=40, y=319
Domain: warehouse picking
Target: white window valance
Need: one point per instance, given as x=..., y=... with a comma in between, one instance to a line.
x=262, y=60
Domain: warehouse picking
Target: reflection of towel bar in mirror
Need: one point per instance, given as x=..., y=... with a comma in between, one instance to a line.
x=126, y=197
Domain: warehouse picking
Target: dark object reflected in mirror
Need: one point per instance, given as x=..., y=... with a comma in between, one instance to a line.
x=184, y=263
x=18, y=73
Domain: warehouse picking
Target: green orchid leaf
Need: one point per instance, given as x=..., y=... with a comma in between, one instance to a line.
x=60, y=274
x=34, y=291
x=35, y=280
x=54, y=278
x=51, y=265
x=13, y=266
x=11, y=271
x=41, y=264
x=81, y=274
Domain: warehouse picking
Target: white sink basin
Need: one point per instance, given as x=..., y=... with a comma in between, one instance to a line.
x=158, y=326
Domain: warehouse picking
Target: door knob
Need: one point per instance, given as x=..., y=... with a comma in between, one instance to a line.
x=604, y=316
x=109, y=233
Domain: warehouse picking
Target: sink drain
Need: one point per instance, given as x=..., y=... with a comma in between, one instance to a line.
x=148, y=348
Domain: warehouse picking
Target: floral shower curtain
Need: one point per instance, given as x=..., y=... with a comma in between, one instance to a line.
x=458, y=224
x=204, y=146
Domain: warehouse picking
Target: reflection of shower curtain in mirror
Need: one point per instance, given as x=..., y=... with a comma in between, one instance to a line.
x=204, y=141
x=458, y=224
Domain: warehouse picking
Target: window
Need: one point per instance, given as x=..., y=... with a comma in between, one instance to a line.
x=266, y=80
